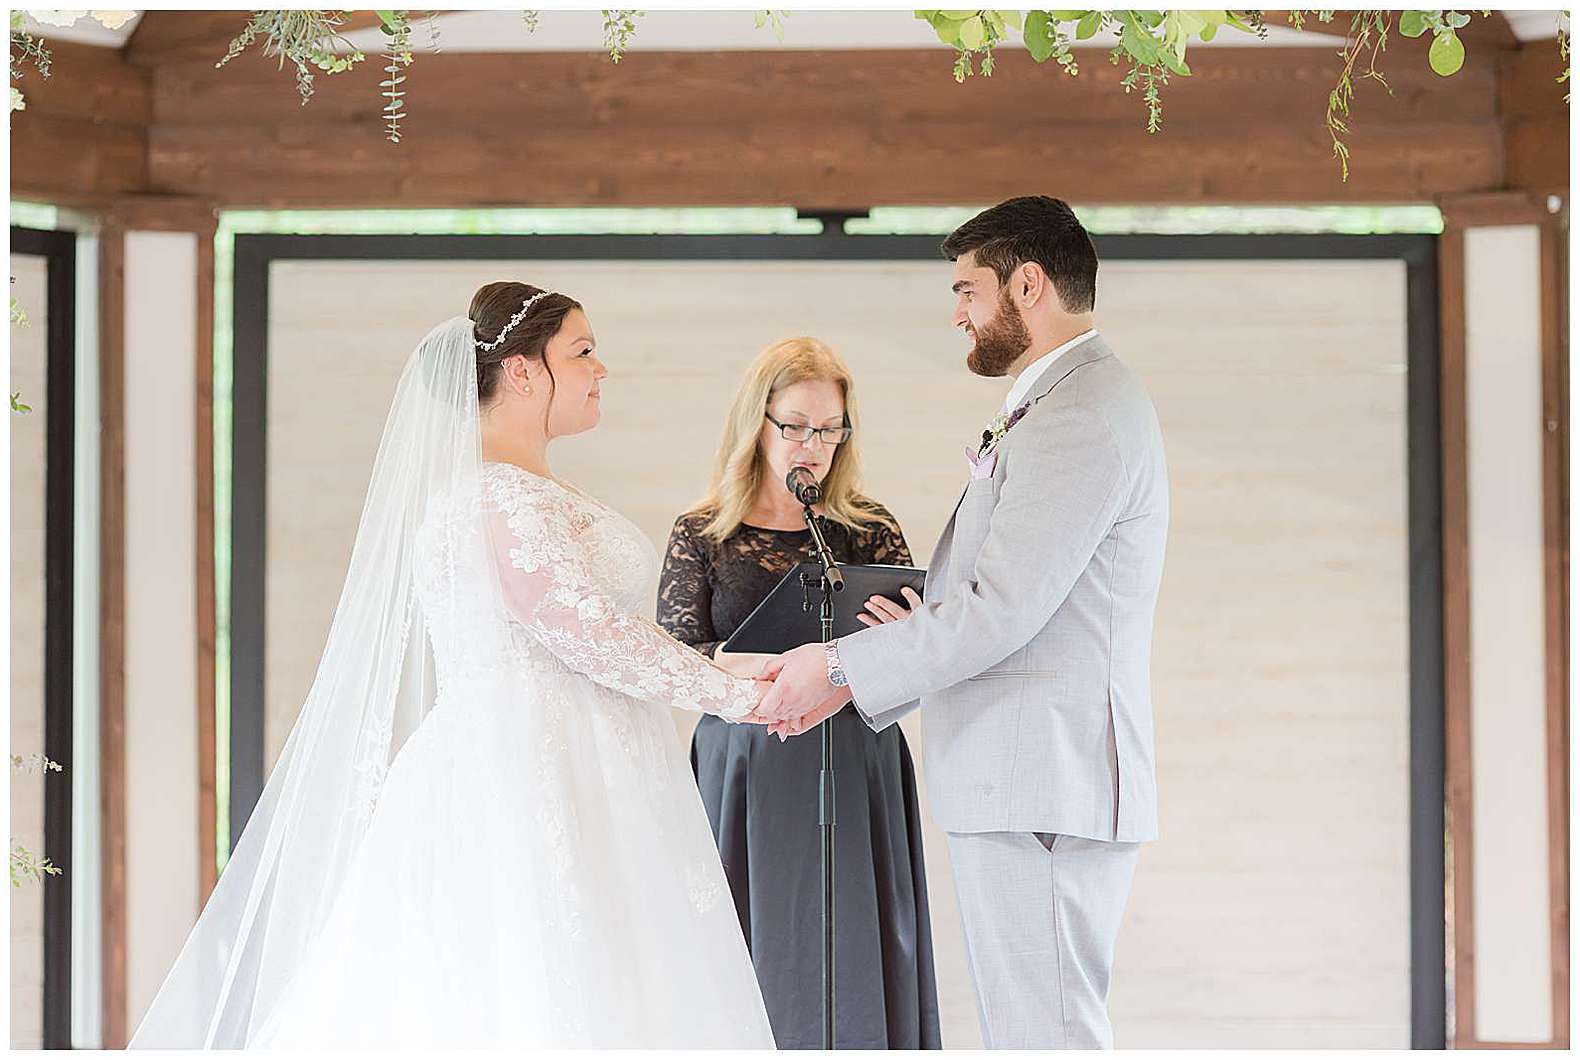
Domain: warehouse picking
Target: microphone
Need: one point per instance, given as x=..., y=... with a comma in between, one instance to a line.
x=803, y=485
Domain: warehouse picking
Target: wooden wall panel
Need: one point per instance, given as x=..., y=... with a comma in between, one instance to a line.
x=1535, y=118
x=203, y=557
x=112, y=630
x=1555, y=474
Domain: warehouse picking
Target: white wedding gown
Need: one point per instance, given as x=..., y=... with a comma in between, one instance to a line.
x=538, y=869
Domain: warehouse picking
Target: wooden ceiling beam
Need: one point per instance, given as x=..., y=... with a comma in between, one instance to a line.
x=84, y=133
x=845, y=129
x=834, y=129
x=500, y=93
x=1488, y=31
x=182, y=36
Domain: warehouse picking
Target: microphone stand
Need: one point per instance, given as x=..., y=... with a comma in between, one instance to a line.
x=829, y=582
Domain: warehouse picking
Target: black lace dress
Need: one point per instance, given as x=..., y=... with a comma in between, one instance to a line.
x=761, y=798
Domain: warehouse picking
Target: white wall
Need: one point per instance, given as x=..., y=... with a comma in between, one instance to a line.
x=1274, y=911
x=161, y=613
x=29, y=359
x=1508, y=697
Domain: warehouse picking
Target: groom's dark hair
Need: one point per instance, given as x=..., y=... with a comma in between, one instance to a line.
x=1032, y=228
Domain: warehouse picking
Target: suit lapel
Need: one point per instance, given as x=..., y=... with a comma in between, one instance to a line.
x=940, y=555
x=1093, y=349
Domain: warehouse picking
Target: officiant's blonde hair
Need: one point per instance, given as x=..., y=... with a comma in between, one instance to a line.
x=739, y=466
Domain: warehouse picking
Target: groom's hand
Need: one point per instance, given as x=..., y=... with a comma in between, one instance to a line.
x=755, y=715
x=797, y=726
x=883, y=610
x=801, y=685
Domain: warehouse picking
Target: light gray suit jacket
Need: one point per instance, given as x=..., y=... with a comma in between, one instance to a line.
x=1031, y=652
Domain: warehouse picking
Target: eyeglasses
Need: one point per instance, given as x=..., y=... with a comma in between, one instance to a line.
x=801, y=432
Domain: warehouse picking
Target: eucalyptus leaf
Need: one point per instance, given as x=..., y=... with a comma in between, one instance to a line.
x=1090, y=23
x=973, y=34
x=1412, y=23
x=1447, y=54
x=1176, y=36
x=1190, y=23
x=1037, y=35
x=948, y=31
x=1142, y=46
x=1011, y=17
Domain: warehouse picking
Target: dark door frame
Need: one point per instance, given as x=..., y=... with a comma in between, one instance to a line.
x=255, y=253
x=59, y=250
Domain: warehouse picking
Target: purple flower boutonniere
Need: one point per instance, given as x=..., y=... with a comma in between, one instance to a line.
x=1000, y=427
x=985, y=459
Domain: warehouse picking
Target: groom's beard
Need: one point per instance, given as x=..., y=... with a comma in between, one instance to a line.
x=1000, y=341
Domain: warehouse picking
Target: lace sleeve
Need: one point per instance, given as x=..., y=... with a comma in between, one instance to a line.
x=882, y=542
x=548, y=587
x=685, y=598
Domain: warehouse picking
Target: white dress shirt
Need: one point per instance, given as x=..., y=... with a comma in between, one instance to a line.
x=1029, y=375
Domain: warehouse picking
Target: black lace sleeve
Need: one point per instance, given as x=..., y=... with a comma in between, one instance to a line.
x=685, y=597
x=882, y=542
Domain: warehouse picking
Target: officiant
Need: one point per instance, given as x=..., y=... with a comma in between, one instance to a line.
x=796, y=407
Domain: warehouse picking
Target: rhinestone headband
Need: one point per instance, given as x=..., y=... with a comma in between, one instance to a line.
x=518, y=318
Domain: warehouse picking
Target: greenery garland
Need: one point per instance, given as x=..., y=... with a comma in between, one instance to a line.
x=308, y=40
x=26, y=865
x=397, y=27
x=618, y=29
x=1150, y=46
x=25, y=49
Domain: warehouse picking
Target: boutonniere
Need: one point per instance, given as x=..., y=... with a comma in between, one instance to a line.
x=1000, y=426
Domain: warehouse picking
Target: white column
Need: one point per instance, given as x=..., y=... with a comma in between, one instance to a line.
x=87, y=901
x=1508, y=707
x=161, y=621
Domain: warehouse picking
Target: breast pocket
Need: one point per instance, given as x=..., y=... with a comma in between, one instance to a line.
x=978, y=488
x=997, y=675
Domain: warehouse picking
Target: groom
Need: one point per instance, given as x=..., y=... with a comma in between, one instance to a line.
x=1030, y=653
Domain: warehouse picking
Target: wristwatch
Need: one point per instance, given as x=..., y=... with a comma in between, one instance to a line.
x=836, y=675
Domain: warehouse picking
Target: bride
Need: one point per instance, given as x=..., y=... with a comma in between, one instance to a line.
x=481, y=831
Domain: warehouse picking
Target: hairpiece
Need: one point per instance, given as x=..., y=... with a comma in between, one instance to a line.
x=518, y=318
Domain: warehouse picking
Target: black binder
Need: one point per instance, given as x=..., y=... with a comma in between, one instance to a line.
x=781, y=622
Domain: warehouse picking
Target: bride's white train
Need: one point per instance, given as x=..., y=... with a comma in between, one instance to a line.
x=531, y=864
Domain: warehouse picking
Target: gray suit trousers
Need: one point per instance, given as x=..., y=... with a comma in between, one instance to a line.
x=1041, y=913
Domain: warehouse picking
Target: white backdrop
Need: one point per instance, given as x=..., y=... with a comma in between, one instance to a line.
x=1274, y=911
x=29, y=360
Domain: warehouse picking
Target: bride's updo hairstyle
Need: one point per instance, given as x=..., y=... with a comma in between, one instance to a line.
x=493, y=307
